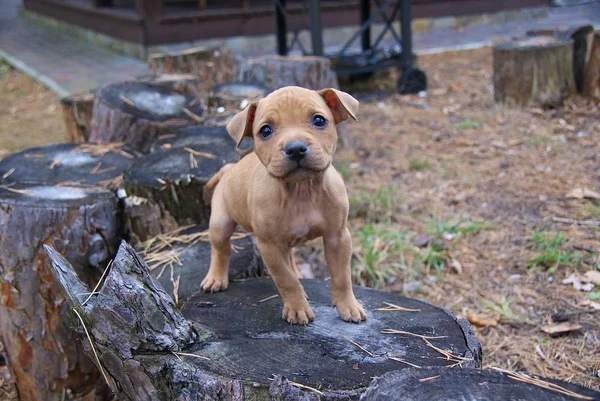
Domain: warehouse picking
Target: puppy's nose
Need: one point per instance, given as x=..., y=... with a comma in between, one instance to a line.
x=296, y=150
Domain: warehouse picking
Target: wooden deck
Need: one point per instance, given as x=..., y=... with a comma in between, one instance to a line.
x=155, y=22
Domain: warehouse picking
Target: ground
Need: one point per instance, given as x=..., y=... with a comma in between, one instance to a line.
x=453, y=200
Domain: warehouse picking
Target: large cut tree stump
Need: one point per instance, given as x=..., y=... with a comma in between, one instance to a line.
x=184, y=83
x=533, y=71
x=591, y=80
x=87, y=165
x=246, y=351
x=278, y=71
x=164, y=189
x=235, y=96
x=179, y=260
x=193, y=136
x=211, y=66
x=439, y=384
x=136, y=113
x=81, y=223
x=77, y=111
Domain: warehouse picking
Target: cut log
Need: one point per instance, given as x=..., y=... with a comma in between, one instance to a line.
x=247, y=351
x=180, y=260
x=439, y=384
x=591, y=82
x=211, y=66
x=536, y=71
x=81, y=223
x=77, y=111
x=278, y=71
x=235, y=96
x=87, y=165
x=164, y=189
x=582, y=37
x=184, y=83
x=136, y=113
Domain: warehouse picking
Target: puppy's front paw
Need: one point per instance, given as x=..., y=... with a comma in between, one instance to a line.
x=350, y=310
x=215, y=283
x=298, y=312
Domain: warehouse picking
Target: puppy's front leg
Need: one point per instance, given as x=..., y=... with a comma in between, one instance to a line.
x=296, y=309
x=338, y=252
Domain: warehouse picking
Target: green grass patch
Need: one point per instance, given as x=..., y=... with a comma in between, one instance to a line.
x=502, y=305
x=455, y=227
x=550, y=255
x=468, y=124
x=419, y=165
x=344, y=169
x=376, y=206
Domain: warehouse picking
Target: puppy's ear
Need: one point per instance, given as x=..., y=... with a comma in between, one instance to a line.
x=342, y=105
x=240, y=125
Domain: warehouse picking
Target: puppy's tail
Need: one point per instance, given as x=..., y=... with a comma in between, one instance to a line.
x=209, y=187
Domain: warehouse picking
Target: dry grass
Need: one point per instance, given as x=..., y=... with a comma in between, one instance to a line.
x=486, y=186
x=30, y=114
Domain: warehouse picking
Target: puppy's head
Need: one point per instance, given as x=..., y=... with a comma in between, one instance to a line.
x=294, y=129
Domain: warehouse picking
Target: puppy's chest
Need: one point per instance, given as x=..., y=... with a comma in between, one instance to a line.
x=302, y=228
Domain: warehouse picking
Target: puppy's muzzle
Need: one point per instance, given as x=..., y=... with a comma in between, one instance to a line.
x=296, y=150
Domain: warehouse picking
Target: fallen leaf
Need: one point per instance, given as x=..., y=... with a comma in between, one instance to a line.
x=561, y=328
x=482, y=319
x=455, y=264
x=583, y=193
x=594, y=305
x=592, y=276
x=421, y=241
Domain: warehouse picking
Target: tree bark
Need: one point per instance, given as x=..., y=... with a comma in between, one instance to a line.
x=440, y=384
x=591, y=82
x=181, y=264
x=77, y=111
x=85, y=165
x=211, y=66
x=82, y=224
x=278, y=71
x=136, y=113
x=164, y=189
x=536, y=71
x=245, y=351
x=235, y=96
x=8, y=387
x=188, y=84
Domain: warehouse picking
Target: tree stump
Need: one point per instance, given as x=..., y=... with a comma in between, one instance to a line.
x=77, y=111
x=164, y=189
x=440, y=384
x=8, y=387
x=136, y=113
x=245, y=350
x=184, y=83
x=533, y=71
x=235, y=96
x=179, y=260
x=582, y=37
x=193, y=136
x=86, y=165
x=211, y=66
x=81, y=223
x=591, y=81
x=278, y=71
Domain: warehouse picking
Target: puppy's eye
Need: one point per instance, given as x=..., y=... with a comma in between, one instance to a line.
x=319, y=121
x=265, y=131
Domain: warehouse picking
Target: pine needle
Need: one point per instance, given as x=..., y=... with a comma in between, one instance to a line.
x=200, y=154
x=359, y=346
x=268, y=298
x=428, y=379
x=126, y=100
x=98, y=283
x=392, y=307
x=18, y=191
x=192, y=355
x=306, y=387
x=92, y=345
x=393, y=358
x=192, y=115
x=8, y=173
x=408, y=333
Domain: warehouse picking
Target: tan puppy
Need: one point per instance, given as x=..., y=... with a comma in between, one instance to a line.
x=287, y=192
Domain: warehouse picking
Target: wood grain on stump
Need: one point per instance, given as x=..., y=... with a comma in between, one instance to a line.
x=184, y=258
x=193, y=136
x=68, y=164
x=439, y=384
x=533, y=71
x=235, y=96
x=81, y=223
x=164, y=189
x=591, y=81
x=275, y=72
x=254, y=354
x=77, y=111
x=184, y=83
x=212, y=66
x=136, y=113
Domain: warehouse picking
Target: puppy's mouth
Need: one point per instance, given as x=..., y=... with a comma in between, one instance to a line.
x=297, y=171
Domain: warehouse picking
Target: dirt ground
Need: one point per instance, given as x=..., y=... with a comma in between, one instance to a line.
x=453, y=200
x=30, y=114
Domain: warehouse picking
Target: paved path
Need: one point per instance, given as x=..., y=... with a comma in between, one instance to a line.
x=70, y=65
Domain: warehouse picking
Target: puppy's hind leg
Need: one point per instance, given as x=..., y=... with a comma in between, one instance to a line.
x=221, y=228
